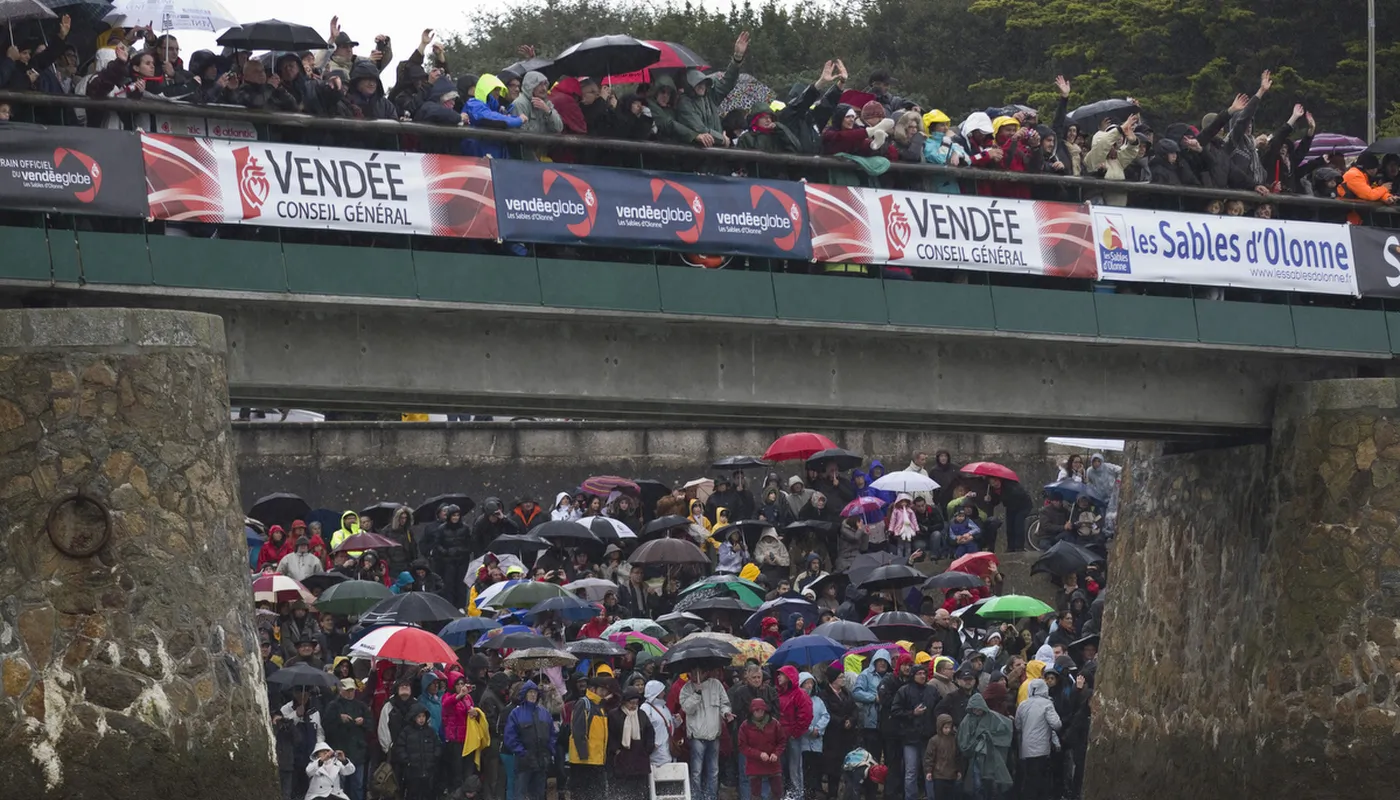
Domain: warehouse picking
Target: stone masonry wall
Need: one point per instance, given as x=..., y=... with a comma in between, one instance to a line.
x=134, y=672
x=1252, y=639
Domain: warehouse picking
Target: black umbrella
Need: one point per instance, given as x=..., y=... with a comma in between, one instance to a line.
x=324, y=580
x=427, y=512
x=302, y=675
x=816, y=525
x=846, y=632
x=891, y=576
x=1090, y=117
x=564, y=532
x=515, y=641
x=844, y=459
x=725, y=604
x=381, y=513
x=739, y=462
x=949, y=581
x=1065, y=557
x=519, y=68
x=594, y=647
x=661, y=525
x=410, y=608
x=1092, y=638
x=668, y=551
x=701, y=648
x=865, y=563
x=1390, y=145
x=280, y=509
x=602, y=56
x=893, y=625
x=516, y=545
x=273, y=34
x=652, y=492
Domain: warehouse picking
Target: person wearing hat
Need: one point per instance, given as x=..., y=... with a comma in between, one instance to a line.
x=912, y=713
x=588, y=739
x=326, y=769
x=762, y=743
x=1362, y=182
x=415, y=754
x=631, y=739
x=298, y=626
x=301, y=563
x=955, y=704
x=529, y=734
x=348, y=723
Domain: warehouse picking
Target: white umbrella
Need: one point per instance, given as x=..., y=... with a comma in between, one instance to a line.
x=172, y=15
x=506, y=560
x=704, y=487
x=593, y=588
x=623, y=532
x=904, y=481
x=12, y=10
x=489, y=593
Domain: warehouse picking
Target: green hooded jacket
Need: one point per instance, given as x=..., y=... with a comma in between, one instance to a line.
x=668, y=128
x=700, y=113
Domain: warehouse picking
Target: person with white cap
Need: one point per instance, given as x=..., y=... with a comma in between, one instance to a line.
x=325, y=770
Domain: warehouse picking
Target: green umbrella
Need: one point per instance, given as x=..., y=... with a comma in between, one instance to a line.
x=1013, y=606
x=527, y=594
x=747, y=591
x=352, y=598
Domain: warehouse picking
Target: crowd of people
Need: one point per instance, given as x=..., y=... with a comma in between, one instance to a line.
x=832, y=115
x=935, y=702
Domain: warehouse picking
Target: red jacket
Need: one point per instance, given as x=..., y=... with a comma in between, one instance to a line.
x=454, y=717
x=794, y=706
x=1013, y=159
x=770, y=739
x=271, y=552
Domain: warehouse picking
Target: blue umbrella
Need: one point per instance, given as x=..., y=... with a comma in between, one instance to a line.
x=804, y=651
x=458, y=631
x=505, y=630
x=783, y=609
x=1069, y=491
x=572, y=609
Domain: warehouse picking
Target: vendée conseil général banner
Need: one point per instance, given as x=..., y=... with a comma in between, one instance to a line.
x=599, y=206
x=303, y=186
x=1167, y=247
x=71, y=170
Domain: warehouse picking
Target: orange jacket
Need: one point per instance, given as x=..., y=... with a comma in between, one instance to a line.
x=1356, y=186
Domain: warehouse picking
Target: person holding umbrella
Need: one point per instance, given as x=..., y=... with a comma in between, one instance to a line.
x=698, y=108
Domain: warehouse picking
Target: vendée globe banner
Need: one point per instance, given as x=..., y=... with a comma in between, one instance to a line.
x=599, y=206
x=1165, y=247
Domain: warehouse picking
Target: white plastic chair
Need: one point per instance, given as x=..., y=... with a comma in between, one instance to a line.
x=670, y=781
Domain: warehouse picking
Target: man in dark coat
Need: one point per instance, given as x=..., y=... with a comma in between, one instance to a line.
x=348, y=723
x=415, y=752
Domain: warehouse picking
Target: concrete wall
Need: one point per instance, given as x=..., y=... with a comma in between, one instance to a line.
x=340, y=465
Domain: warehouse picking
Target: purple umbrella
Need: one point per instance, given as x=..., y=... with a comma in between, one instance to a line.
x=1325, y=144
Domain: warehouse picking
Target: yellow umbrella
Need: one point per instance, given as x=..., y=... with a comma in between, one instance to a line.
x=752, y=650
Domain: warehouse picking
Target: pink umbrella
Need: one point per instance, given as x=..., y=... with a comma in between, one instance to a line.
x=867, y=649
x=364, y=541
x=604, y=485
x=862, y=505
x=989, y=469
x=649, y=643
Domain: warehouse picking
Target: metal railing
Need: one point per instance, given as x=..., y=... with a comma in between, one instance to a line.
x=1305, y=207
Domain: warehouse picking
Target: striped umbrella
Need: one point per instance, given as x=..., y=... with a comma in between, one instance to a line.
x=604, y=485
x=404, y=645
x=1325, y=144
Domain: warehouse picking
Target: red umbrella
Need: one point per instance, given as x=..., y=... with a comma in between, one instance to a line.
x=404, y=645
x=990, y=470
x=365, y=541
x=974, y=563
x=673, y=56
x=797, y=447
x=604, y=485
x=862, y=505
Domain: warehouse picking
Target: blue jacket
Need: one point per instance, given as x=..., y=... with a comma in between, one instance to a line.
x=820, y=719
x=484, y=111
x=888, y=497
x=956, y=529
x=432, y=702
x=867, y=690
x=529, y=734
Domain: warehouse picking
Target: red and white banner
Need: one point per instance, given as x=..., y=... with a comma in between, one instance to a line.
x=950, y=231
x=298, y=186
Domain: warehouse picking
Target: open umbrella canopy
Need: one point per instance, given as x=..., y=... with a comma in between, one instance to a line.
x=521, y=546
x=673, y=56
x=273, y=34
x=487, y=596
x=569, y=608
x=460, y=631
x=892, y=576
x=564, y=532
x=410, y=608
x=796, y=447
x=846, y=632
x=867, y=649
x=804, y=651
x=865, y=563
x=323, y=581
x=364, y=541
x=979, y=564
x=747, y=591
x=381, y=513
x=645, y=642
x=280, y=508
x=948, y=581
x=604, y=485
x=594, y=647
x=16, y=10
x=1064, y=558
x=525, y=594
x=302, y=675
x=748, y=92
x=601, y=56
x=539, y=658
x=519, y=68
x=1325, y=144
x=513, y=637
x=723, y=604
x=1088, y=117
x=862, y=506
x=637, y=625
x=702, y=647
x=970, y=613
x=905, y=481
x=843, y=458
x=593, y=588
x=172, y=15
x=899, y=625
x=1013, y=606
x=752, y=650
x=607, y=529
x=1389, y=145
x=352, y=598
x=783, y=609
x=404, y=645
x=661, y=525
x=739, y=462
x=427, y=511
x=668, y=551
x=678, y=619
x=276, y=588
x=989, y=469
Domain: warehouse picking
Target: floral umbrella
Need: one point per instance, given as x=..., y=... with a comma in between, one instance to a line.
x=637, y=625
x=752, y=650
x=748, y=92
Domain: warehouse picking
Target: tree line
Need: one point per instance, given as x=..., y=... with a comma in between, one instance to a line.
x=1179, y=58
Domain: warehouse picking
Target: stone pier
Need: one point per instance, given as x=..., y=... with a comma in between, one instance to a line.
x=1252, y=637
x=129, y=660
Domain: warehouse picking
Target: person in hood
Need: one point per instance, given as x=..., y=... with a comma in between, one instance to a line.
x=423, y=579
x=301, y=563
x=411, y=88
x=400, y=529
x=526, y=515
x=529, y=739
x=964, y=535
x=903, y=526
x=631, y=739
x=867, y=697
x=847, y=134
x=1102, y=476
x=765, y=134
x=263, y=92
x=1038, y=726
x=564, y=509
x=661, y=103
x=349, y=526
x=415, y=753
x=366, y=95
x=588, y=740
x=209, y=78
x=912, y=712
x=984, y=741
x=1362, y=181
x=565, y=96
x=796, y=713
x=535, y=109
x=772, y=556
x=292, y=75
x=762, y=743
x=325, y=772
x=941, y=761
x=810, y=744
x=811, y=574
x=1008, y=150
x=439, y=107
x=663, y=722
x=275, y=548
x=843, y=725
x=1110, y=153
x=698, y=108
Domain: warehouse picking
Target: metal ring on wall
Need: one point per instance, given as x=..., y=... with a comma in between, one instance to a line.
x=79, y=544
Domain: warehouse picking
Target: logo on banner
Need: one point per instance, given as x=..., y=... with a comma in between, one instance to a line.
x=792, y=221
x=1113, y=249
x=693, y=202
x=94, y=172
x=1391, y=253
x=897, y=228
x=253, y=185
x=587, y=207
